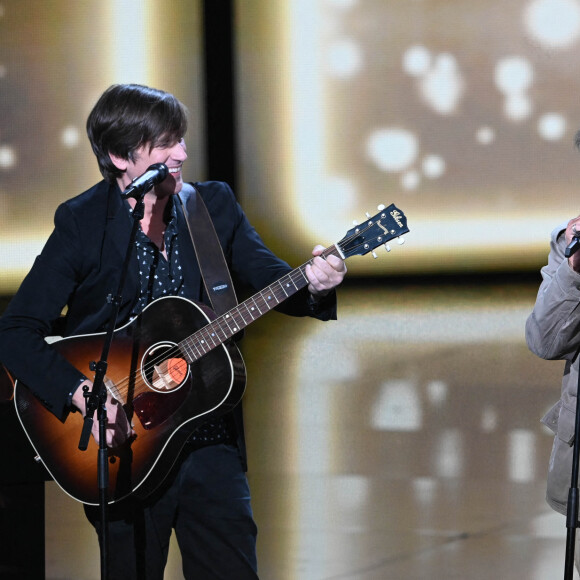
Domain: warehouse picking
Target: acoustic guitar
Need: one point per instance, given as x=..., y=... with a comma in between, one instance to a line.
x=173, y=367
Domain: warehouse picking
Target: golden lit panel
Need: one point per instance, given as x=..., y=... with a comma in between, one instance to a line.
x=463, y=119
x=56, y=58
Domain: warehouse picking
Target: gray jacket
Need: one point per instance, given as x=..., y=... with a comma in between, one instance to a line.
x=553, y=333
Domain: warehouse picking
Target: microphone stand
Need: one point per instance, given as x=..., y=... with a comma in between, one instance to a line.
x=572, y=506
x=95, y=399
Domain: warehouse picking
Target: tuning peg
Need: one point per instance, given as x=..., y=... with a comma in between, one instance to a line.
x=387, y=247
x=400, y=240
x=374, y=255
x=354, y=223
x=381, y=207
x=368, y=214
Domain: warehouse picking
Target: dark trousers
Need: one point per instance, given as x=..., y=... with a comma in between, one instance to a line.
x=207, y=503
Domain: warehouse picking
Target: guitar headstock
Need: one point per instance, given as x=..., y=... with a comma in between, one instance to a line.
x=375, y=231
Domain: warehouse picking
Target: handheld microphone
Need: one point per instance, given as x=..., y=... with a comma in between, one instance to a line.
x=572, y=247
x=155, y=174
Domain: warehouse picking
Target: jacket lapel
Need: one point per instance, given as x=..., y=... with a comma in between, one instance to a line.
x=118, y=235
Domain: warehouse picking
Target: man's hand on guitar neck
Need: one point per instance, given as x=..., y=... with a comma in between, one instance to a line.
x=118, y=427
x=324, y=274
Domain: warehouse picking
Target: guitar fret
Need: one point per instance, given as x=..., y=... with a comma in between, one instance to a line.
x=302, y=274
x=187, y=346
x=281, y=287
x=293, y=283
x=196, y=347
x=202, y=342
x=186, y=350
x=267, y=299
x=213, y=335
x=209, y=337
x=237, y=316
x=223, y=328
x=253, y=310
x=241, y=316
x=227, y=320
x=225, y=332
x=255, y=306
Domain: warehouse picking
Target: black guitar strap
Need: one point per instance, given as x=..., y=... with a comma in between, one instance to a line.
x=210, y=257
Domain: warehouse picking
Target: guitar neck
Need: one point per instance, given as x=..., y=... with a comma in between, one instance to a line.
x=227, y=325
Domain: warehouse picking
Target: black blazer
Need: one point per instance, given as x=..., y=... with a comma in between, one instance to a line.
x=66, y=290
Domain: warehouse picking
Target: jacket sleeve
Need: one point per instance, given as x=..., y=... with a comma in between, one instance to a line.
x=553, y=327
x=251, y=262
x=33, y=313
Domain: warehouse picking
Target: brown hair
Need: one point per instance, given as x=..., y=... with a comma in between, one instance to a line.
x=127, y=117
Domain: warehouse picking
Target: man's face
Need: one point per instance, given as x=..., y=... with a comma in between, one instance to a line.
x=173, y=156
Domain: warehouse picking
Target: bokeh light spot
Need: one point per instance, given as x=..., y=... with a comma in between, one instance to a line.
x=344, y=58
x=433, y=166
x=485, y=135
x=553, y=23
x=8, y=157
x=410, y=180
x=552, y=126
x=417, y=61
x=393, y=149
x=518, y=107
x=513, y=75
x=442, y=87
x=70, y=137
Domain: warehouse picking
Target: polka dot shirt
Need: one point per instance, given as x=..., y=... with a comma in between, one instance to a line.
x=159, y=276
x=164, y=277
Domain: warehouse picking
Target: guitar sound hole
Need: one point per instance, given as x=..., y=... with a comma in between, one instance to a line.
x=163, y=369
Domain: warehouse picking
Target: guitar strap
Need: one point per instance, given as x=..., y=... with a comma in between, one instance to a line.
x=215, y=275
x=210, y=257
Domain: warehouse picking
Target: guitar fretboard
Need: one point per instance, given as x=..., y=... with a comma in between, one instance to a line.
x=227, y=325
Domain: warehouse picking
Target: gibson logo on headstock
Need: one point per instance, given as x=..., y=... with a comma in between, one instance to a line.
x=396, y=215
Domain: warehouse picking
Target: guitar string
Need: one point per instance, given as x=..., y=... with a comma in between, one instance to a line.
x=139, y=385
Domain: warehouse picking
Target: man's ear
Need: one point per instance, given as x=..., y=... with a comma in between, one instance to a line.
x=119, y=162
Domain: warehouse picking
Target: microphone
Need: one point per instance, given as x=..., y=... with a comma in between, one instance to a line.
x=155, y=174
x=572, y=247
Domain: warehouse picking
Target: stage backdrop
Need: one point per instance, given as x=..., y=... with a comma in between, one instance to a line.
x=463, y=113
x=56, y=58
